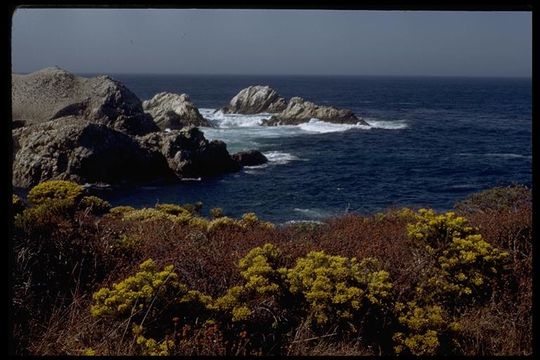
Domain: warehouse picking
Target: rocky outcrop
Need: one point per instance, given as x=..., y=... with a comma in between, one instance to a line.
x=173, y=111
x=76, y=149
x=54, y=93
x=189, y=153
x=73, y=148
x=300, y=111
x=250, y=158
x=254, y=100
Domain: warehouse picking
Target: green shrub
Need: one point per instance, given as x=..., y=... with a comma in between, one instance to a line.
x=496, y=199
x=55, y=190
x=148, y=214
x=17, y=204
x=120, y=210
x=95, y=204
x=216, y=213
x=172, y=209
x=223, y=223
x=36, y=218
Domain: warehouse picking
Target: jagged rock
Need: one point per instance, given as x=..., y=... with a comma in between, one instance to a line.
x=189, y=154
x=254, y=100
x=53, y=93
x=250, y=158
x=299, y=111
x=73, y=148
x=173, y=111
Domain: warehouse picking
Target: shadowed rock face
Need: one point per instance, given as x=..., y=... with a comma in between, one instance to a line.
x=300, y=111
x=173, y=111
x=254, y=100
x=54, y=93
x=76, y=149
x=250, y=158
x=189, y=153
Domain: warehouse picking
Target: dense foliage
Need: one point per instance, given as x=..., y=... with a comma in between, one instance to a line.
x=94, y=280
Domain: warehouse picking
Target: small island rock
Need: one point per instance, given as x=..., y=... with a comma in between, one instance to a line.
x=250, y=158
x=254, y=100
x=173, y=111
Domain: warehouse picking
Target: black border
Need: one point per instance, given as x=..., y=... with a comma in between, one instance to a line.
x=418, y=5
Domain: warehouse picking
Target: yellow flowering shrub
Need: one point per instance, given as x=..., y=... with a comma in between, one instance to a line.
x=260, y=269
x=263, y=278
x=152, y=347
x=149, y=288
x=55, y=190
x=335, y=288
x=462, y=261
x=424, y=328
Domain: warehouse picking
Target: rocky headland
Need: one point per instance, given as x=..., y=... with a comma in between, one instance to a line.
x=95, y=130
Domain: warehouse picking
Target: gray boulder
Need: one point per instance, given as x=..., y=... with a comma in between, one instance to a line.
x=52, y=93
x=73, y=148
x=250, y=158
x=254, y=100
x=300, y=111
x=188, y=153
x=173, y=111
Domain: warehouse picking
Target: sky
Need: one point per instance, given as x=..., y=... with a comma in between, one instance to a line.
x=272, y=42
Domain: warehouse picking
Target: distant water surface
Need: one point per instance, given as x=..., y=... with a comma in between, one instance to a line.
x=431, y=142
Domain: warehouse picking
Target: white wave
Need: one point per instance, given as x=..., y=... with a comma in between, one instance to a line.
x=279, y=157
x=253, y=122
x=322, y=127
x=501, y=155
x=303, y=222
x=387, y=124
x=222, y=120
x=313, y=213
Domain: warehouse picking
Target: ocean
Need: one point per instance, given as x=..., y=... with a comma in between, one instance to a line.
x=432, y=141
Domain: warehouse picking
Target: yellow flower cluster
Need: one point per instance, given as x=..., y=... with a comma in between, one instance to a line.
x=464, y=261
x=424, y=325
x=336, y=287
x=148, y=287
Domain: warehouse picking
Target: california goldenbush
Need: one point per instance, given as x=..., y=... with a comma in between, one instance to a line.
x=168, y=281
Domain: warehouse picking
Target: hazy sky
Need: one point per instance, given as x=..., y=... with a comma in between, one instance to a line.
x=273, y=42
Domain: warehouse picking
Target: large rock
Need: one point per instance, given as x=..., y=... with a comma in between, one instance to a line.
x=300, y=111
x=189, y=154
x=250, y=158
x=173, y=111
x=73, y=148
x=53, y=93
x=254, y=100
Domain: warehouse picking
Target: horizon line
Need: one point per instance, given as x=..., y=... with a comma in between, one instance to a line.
x=299, y=75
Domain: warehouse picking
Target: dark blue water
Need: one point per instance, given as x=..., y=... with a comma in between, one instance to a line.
x=462, y=135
